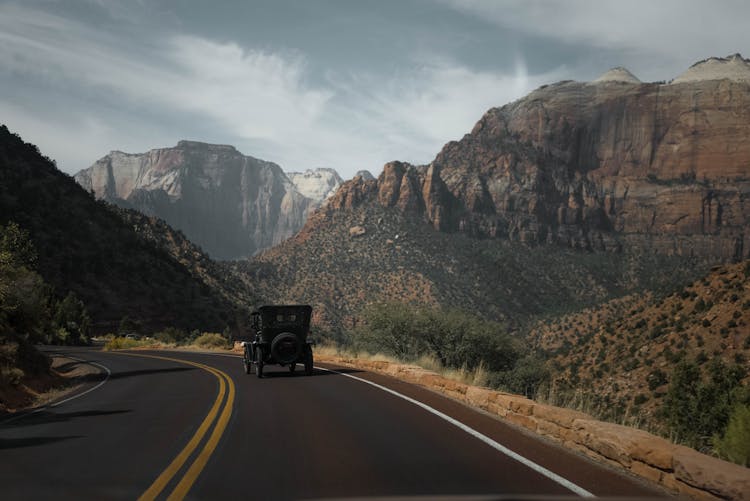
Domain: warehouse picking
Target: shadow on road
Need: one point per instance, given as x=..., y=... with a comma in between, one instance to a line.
x=145, y=372
x=123, y=374
x=44, y=417
x=316, y=372
x=14, y=443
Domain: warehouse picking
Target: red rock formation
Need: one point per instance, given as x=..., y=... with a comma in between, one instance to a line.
x=593, y=165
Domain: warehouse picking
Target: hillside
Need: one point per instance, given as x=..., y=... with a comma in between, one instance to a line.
x=86, y=246
x=573, y=195
x=621, y=354
x=344, y=260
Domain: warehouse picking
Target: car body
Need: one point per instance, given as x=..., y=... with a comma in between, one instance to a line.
x=281, y=336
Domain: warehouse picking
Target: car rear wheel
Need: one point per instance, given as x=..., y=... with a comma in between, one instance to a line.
x=308, y=360
x=259, y=361
x=246, y=362
x=285, y=348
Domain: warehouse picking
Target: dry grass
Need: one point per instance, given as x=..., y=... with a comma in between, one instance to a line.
x=478, y=376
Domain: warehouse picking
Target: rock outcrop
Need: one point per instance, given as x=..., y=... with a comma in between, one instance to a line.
x=618, y=74
x=230, y=204
x=733, y=67
x=364, y=174
x=593, y=166
x=317, y=185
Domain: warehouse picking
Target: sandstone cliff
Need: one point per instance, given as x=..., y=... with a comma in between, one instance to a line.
x=598, y=165
x=230, y=204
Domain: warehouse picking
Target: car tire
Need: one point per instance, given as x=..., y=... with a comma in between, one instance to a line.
x=246, y=362
x=280, y=348
x=309, y=362
x=259, y=361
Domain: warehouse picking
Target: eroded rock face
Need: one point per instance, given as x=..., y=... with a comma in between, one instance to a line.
x=595, y=166
x=317, y=184
x=230, y=204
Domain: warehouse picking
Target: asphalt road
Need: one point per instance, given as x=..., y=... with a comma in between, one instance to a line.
x=195, y=426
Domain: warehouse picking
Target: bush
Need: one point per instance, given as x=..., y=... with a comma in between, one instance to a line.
x=640, y=399
x=122, y=343
x=457, y=339
x=526, y=378
x=211, y=340
x=170, y=335
x=655, y=379
x=734, y=445
x=696, y=409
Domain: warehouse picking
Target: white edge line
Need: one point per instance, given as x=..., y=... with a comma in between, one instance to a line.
x=40, y=409
x=484, y=438
x=109, y=373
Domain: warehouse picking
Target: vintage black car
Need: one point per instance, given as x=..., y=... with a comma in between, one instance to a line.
x=281, y=337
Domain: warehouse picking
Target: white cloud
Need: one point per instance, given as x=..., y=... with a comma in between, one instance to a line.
x=417, y=112
x=677, y=32
x=259, y=100
x=254, y=93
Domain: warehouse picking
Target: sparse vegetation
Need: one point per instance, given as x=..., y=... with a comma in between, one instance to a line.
x=607, y=372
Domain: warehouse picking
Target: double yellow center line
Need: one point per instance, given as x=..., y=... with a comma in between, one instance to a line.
x=226, y=386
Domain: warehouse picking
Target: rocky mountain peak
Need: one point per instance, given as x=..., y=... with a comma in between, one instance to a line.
x=733, y=67
x=365, y=175
x=618, y=74
x=230, y=204
x=198, y=145
x=317, y=184
x=662, y=168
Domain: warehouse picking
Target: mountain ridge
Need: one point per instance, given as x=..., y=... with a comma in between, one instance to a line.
x=592, y=167
x=88, y=247
x=231, y=204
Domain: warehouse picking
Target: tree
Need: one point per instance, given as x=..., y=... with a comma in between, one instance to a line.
x=734, y=444
x=698, y=408
x=681, y=401
x=72, y=320
x=15, y=241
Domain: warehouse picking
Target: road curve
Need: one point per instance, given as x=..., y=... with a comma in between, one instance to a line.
x=280, y=437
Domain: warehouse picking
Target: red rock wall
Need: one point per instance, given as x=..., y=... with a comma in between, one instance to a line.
x=585, y=165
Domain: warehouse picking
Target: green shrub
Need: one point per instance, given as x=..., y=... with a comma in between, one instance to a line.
x=170, y=335
x=734, y=444
x=697, y=407
x=455, y=338
x=11, y=375
x=656, y=378
x=640, y=399
x=211, y=340
x=122, y=343
x=525, y=378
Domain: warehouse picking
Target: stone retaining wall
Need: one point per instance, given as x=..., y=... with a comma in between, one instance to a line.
x=678, y=468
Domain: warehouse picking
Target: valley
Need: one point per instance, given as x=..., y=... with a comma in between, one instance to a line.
x=602, y=227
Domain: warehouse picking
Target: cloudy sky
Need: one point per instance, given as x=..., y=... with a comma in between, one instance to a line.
x=320, y=83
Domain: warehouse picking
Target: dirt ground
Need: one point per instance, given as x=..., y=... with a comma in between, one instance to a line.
x=66, y=375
